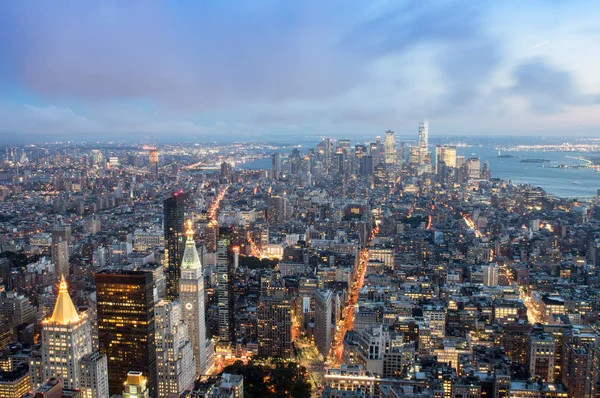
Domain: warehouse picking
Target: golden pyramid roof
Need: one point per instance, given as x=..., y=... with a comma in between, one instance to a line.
x=64, y=312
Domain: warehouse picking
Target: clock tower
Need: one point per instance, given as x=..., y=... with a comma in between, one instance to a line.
x=191, y=296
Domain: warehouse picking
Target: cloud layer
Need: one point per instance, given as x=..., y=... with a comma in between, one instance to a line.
x=194, y=68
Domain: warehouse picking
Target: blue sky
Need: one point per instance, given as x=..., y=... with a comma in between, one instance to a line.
x=257, y=68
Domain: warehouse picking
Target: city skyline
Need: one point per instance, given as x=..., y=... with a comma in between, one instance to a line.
x=259, y=70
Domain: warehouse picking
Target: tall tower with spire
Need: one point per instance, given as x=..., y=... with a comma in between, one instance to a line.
x=191, y=296
x=66, y=338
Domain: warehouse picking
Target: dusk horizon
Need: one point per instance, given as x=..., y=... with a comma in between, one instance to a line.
x=261, y=69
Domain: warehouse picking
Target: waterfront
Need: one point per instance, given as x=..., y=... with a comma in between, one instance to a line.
x=562, y=182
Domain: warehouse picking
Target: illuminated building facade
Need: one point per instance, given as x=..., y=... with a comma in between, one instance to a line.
x=14, y=383
x=176, y=370
x=390, y=147
x=174, y=209
x=191, y=293
x=224, y=293
x=126, y=325
x=274, y=319
x=93, y=376
x=66, y=338
x=423, y=142
x=136, y=386
x=351, y=378
x=153, y=161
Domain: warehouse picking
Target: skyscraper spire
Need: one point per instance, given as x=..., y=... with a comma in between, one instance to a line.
x=190, y=259
x=64, y=310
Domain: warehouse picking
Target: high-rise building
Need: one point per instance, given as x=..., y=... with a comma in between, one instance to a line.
x=66, y=338
x=61, y=230
x=474, y=168
x=191, y=295
x=93, y=376
x=174, y=209
x=445, y=154
x=60, y=256
x=578, y=369
x=153, y=162
x=541, y=355
x=126, y=327
x=276, y=163
x=224, y=292
x=274, y=319
x=276, y=209
x=323, y=326
x=424, y=141
x=176, y=370
x=390, y=147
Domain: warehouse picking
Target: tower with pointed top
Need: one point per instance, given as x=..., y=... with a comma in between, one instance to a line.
x=191, y=296
x=66, y=339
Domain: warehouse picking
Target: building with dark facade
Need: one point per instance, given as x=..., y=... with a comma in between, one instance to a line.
x=174, y=227
x=126, y=325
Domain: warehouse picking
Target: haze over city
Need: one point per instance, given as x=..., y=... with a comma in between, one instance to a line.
x=258, y=69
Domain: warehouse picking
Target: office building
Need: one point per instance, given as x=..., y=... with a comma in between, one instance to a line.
x=191, y=288
x=66, y=338
x=473, y=168
x=126, y=326
x=423, y=142
x=153, y=162
x=323, y=325
x=93, y=376
x=390, y=147
x=541, y=355
x=276, y=209
x=60, y=230
x=174, y=208
x=16, y=309
x=60, y=256
x=14, y=383
x=224, y=292
x=445, y=154
x=276, y=165
x=176, y=369
x=274, y=319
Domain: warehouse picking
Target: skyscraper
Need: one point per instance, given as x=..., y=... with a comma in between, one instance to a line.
x=445, y=154
x=153, y=161
x=176, y=370
x=60, y=256
x=66, y=338
x=424, y=141
x=323, y=305
x=276, y=163
x=126, y=325
x=191, y=294
x=224, y=292
x=274, y=319
x=276, y=209
x=93, y=376
x=61, y=230
x=390, y=147
x=174, y=210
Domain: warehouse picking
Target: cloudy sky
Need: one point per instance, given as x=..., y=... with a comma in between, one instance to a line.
x=222, y=69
